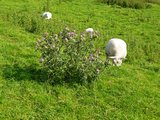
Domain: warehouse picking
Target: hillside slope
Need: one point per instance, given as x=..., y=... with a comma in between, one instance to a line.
x=131, y=91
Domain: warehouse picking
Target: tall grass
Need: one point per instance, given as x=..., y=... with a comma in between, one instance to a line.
x=137, y=4
x=130, y=92
x=31, y=22
x=153, y=1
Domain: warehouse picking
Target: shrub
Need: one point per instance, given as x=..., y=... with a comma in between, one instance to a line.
x=70, y=57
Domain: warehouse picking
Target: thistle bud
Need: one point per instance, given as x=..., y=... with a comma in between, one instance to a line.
x=66, y=39
x=56, y=36
x=53, y=46
x=41, y=60
x=97, y=71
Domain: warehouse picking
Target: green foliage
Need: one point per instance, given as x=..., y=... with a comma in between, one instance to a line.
x=131, y=91
x=60, y=1
x=137, y=4
x=70, y=56
x=153, y=1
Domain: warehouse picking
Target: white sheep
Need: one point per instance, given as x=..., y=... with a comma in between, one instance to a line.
x=116, y=49
x=47, y=15
x=90, y=31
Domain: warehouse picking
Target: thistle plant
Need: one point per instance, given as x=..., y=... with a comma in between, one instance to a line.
x=69, y=56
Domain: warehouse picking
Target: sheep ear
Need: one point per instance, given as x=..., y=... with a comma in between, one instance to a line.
x=112, y=57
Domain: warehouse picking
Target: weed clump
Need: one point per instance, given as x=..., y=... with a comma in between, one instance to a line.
x=69, y=56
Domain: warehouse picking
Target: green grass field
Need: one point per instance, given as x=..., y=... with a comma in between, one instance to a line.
x=129, y=92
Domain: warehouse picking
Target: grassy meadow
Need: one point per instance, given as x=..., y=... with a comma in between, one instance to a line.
x=129, y=92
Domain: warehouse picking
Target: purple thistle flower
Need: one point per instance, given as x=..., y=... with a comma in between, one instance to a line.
x=91, y=58
x=71, y=35
x=43, y=38
x=91, y=55
x=61, y=33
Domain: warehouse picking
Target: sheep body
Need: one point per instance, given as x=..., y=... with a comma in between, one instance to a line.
x=90, y=31
x=116, y=49
x=47, y=15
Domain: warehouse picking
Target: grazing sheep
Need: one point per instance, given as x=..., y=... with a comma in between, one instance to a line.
x=47, y=15
x=116, y=49
x=90, y=31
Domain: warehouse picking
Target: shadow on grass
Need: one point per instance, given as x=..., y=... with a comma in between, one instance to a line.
x=19, y=73
x=34, y=73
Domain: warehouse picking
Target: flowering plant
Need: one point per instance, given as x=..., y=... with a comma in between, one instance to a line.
x=69, y=56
